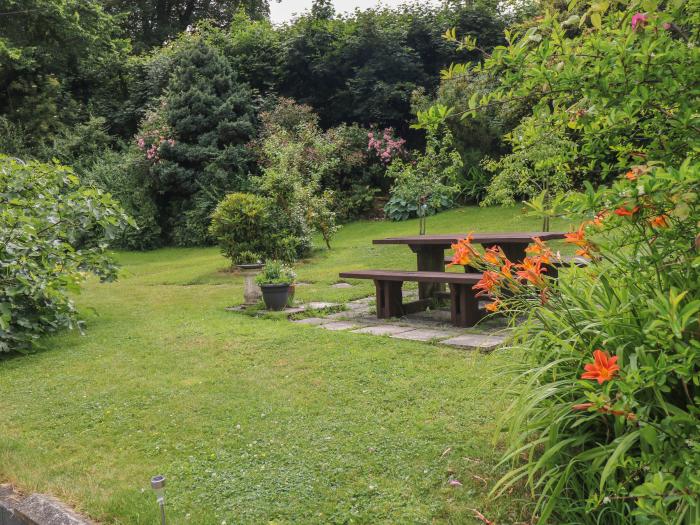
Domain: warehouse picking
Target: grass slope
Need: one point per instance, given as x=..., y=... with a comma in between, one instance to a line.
x=254, y=420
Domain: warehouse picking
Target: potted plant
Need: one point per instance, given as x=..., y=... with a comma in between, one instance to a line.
x=275, y=281
x=249, y=265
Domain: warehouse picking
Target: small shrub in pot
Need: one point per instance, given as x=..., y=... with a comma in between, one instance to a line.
x=275, y=280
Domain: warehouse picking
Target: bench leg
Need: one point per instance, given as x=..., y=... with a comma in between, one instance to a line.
x=389, y=299
x=464, y=305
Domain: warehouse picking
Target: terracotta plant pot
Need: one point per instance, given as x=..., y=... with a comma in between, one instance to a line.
x=275, y=296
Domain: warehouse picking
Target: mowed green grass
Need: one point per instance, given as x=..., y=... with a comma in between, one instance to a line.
x=255, y=420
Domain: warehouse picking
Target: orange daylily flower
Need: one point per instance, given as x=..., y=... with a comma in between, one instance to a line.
x=583, y=252
x=634, y=172
x=464, y=252
x=602, y=369
x=505, y=269
x=598, y=219
x=494, y=306
x=531, y=270
x=488, y=282
x=578, y=237
x=623, y=211
x=540, y=249
x=494, y=255
x=660, y=221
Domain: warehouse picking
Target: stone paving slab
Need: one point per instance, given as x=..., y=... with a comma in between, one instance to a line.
x=356, y=306
x=337, y=326
x=294, y=310
x=424, y=334
x=341, y=285
x=441, y=316
x=317, y=305
x=383, y=329
x=311, y=320
x=476, y=341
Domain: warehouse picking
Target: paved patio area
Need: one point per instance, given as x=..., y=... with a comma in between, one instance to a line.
x=431, y=326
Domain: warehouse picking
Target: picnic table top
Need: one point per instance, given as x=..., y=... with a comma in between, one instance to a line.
x=477, y=238
x=424, y=277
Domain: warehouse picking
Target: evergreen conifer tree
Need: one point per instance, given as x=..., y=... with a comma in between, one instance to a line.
x=211, y=116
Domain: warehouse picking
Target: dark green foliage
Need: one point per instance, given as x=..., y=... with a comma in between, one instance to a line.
x=211, y=119
x=53, y=55
x=44, y=249
x=248, y=228
x=124, y=174
x=150, y=23
x=364, y=68
x=75, y=88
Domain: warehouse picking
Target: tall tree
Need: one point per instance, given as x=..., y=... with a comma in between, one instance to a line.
x=152, y=22
x=209, y=116
x=53, y=55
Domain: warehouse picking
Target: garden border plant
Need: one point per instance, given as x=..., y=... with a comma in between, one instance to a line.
x=607, y=412
x=53, y=232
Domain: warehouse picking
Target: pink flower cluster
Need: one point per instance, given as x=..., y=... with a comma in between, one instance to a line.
x=639, y=20
x=385, y=145
x=151, y=143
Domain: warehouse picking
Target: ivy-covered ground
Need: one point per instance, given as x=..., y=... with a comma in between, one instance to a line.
x=255, y=420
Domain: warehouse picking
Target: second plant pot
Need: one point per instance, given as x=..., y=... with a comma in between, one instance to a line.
x=275, y=296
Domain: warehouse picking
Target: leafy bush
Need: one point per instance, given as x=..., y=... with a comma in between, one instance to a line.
x=248, y=228
x=275, y=272
x=357, y=177
x=124, y=174
x=296, y=156
x=613, y=77
x=44, y=250
x=430, y=179
x=82, y=144
x=607, y=416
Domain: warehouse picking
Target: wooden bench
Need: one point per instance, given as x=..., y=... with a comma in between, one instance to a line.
x=464, y=303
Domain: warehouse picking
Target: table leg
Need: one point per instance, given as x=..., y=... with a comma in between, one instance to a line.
x=430, y=259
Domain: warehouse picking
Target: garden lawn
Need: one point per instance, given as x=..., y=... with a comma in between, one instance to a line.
x=255, y=420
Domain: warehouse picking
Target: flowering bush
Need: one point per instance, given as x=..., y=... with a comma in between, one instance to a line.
x=153, y=135
x=608, y=413
x=385, y=144
x=429, y=178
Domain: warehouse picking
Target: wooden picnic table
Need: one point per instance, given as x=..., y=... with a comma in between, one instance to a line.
x=430, y=249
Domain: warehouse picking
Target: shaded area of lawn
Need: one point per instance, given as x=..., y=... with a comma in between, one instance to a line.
x=254, y=420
